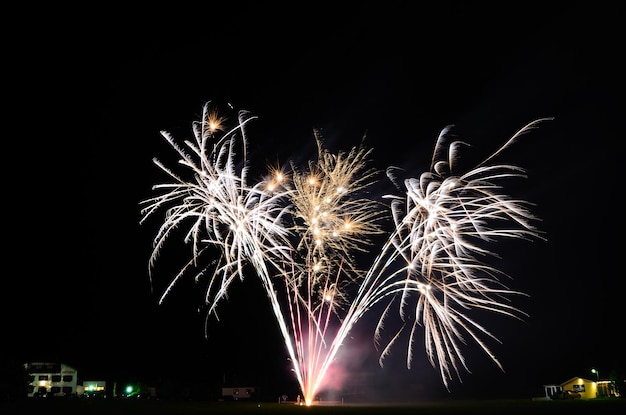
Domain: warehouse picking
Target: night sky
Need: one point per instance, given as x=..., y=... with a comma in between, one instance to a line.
x=89, y=95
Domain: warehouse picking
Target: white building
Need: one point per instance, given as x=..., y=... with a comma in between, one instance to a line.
x=51, y=379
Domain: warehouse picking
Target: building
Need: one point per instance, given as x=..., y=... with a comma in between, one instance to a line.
x=238, y=393
x=92, y=389
x=585, y=388
x=51, y=379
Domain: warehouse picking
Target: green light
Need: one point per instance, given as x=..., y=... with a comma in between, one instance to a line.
x=129, y=389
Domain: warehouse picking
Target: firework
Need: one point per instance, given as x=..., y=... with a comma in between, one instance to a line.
x=333, y=218
x=300, y=230
x=442, y=226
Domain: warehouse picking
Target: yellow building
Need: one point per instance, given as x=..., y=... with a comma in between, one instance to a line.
x=580, y=388
x=587, y=388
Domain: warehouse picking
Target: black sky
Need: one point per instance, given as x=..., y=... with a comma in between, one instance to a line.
x=88, y=96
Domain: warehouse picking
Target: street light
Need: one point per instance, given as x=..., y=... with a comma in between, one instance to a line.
x=595, y=372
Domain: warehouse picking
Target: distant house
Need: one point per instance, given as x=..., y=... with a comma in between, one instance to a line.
x=51, y=379
x=585, y=387
x=92, y=388
x=238, y=393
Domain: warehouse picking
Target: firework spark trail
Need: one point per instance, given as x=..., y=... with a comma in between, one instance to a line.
x=433, y=237
x=439, y=226
x=303, y=227
x=244, y=221
x=332, y=218
x=328, y=218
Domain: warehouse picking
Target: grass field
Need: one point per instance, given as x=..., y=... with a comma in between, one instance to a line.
x=156, y=407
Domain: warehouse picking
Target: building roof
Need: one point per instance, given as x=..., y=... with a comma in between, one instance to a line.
x=575, y=378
